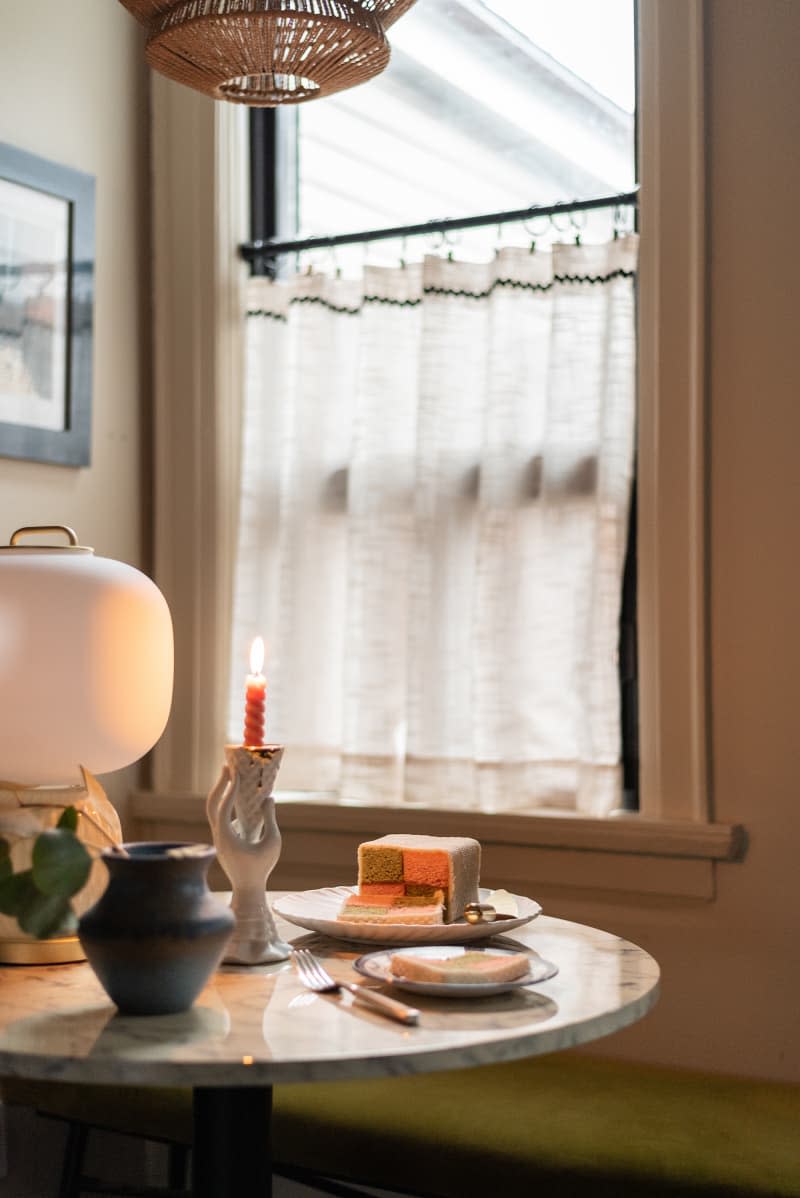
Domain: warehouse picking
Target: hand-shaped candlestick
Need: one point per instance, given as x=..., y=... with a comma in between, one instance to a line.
x=241, y=812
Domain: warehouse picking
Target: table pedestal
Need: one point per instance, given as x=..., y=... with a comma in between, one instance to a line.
x=231, y=1155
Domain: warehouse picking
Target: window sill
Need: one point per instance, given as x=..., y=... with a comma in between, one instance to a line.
x=553, y=853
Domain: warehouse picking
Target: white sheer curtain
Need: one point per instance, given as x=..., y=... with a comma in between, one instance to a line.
x=437, y=465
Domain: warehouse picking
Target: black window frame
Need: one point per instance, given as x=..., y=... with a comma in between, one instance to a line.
x=273, y=180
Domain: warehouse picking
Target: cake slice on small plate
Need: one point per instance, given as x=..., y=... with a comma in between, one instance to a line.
x=450, y=971
x=476, y=966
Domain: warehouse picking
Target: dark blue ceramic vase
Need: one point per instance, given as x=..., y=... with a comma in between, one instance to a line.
x=157, y=933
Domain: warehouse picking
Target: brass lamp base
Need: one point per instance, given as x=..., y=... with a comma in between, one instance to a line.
x=57, y=951
x=25, y=811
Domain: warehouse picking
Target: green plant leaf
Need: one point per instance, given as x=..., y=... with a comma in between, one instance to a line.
x=61, y=863
x=15, y=891
x=45, y=914
x=6, y=868
x=68, y=819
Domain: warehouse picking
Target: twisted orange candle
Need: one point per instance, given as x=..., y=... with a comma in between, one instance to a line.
x=255, y=697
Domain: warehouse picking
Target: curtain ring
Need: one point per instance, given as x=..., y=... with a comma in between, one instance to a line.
x=334, y=262
x=528, y=226
x=555, y=225
x=445, y=239
x=620, y=220
x=577, y=224
x=534, y=233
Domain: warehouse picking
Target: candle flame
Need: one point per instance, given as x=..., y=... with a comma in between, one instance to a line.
x=257, y=655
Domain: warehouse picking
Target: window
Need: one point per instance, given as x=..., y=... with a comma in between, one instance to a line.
x=529, y=374
x=485, y=107
x=473, y=115
x=199, y=155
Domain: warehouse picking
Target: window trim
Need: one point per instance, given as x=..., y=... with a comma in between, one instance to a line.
x=672, y=513
x=200, y=153
x=618, y=858
x=627, y=833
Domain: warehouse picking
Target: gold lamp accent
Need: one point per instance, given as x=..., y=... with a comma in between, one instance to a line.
x=268, y=52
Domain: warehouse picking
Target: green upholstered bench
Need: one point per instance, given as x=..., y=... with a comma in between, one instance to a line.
x=575, y=1124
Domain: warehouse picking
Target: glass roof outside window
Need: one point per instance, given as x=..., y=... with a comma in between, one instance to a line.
x=486, y=105
x=593, y=38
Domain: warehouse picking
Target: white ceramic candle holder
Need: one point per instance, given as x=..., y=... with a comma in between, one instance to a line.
x=241, y=813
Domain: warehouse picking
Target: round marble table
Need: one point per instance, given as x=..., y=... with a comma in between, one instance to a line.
x=255, y=1026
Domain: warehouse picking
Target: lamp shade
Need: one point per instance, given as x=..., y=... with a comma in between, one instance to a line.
x=86, y=662
x=268, y=52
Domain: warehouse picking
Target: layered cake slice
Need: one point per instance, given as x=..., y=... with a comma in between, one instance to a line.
x=407, y=866
x=468, y=967
x=392, y=908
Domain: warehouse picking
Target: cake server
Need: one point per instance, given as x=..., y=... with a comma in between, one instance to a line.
x=315, y=977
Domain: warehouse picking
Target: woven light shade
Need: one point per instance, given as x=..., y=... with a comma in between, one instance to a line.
x=268, y=52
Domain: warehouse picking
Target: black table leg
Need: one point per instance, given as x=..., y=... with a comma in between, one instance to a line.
x=231, y=1154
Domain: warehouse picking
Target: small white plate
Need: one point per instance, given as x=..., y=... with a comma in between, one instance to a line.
x=317, y=911
x=378, y=967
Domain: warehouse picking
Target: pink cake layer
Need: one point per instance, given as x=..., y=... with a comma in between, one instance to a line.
x=391, y=908
x=427, y=914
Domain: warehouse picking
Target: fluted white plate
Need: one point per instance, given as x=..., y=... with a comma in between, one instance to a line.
x=316, y=910
x=378, y=966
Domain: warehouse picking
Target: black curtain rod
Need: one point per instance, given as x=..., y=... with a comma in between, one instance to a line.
x=257, y=250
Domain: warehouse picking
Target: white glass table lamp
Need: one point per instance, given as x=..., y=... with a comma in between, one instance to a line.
x=86, y=667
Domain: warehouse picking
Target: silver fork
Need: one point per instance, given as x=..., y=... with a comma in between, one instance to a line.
x=315, y=977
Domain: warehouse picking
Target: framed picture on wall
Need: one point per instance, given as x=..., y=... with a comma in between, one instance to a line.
x=46, y=309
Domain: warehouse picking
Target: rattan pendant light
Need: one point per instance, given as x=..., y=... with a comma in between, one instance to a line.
x=268, y=52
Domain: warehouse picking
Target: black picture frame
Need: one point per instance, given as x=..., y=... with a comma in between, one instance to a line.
x=47, y=264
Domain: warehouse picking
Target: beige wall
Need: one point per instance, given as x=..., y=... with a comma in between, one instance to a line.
x=731, y=967
x=73, y=89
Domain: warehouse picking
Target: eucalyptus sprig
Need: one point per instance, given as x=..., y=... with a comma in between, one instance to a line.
x=39, y=898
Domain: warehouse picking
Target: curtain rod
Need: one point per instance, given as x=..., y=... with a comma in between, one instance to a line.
x=257, y=250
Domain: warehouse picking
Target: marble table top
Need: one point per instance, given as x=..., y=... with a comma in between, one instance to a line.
x=256, y=1025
